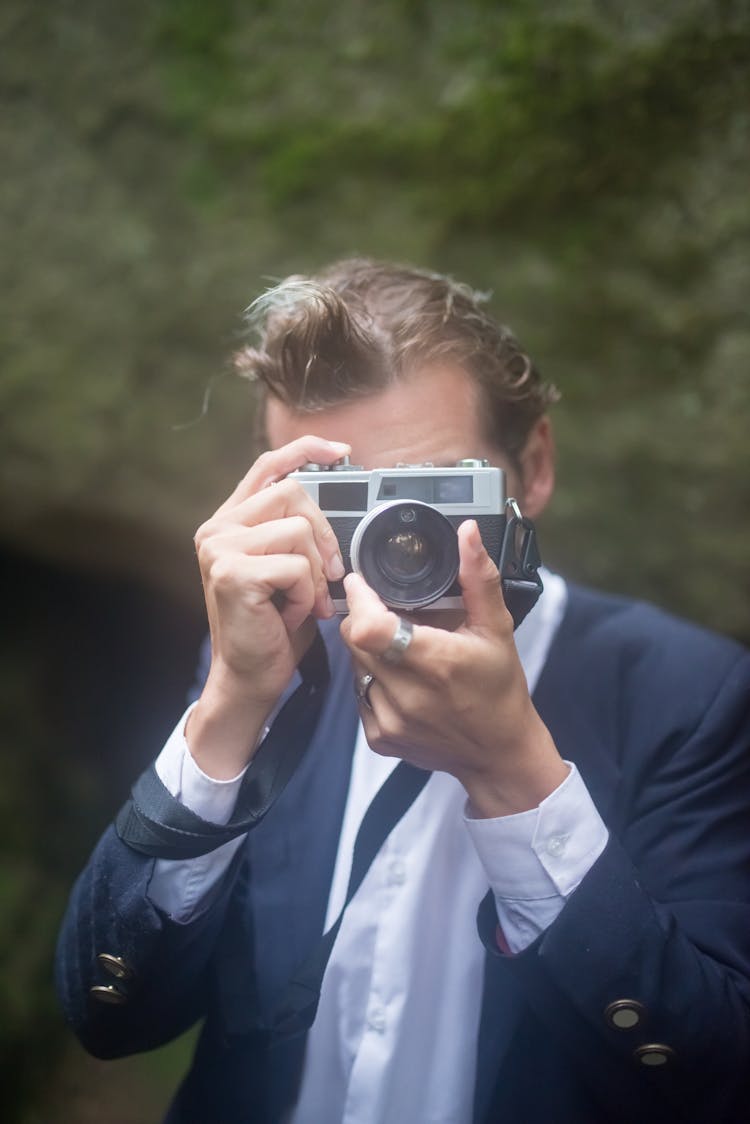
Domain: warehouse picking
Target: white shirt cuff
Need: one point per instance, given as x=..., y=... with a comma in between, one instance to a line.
x=183, y=888
x=534, y=860
x=211, y=799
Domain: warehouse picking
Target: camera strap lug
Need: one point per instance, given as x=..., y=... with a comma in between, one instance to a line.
x=519, y=563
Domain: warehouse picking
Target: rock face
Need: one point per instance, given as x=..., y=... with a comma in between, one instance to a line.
x=162, y=162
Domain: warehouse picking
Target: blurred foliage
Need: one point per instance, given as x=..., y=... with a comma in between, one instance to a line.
x=586, y=161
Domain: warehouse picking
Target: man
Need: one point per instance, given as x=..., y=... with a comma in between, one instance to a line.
x=591, y=772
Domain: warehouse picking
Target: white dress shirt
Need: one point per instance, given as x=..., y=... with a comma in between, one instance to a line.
x=396, y=1030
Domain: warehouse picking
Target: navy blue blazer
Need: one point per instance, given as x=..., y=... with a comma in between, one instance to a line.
x=656, y=714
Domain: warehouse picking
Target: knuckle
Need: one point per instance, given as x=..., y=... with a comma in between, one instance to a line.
x=265, y=460
x=203, y=533
x=301, y=570
x=291, y=490
x=442, y=674
x=444, y=663
x=300, y=527
x=222, y=574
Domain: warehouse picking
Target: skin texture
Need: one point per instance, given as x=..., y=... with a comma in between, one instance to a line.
x=458, y=700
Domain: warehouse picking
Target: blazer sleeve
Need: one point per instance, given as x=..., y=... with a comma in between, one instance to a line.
x=163, y=967
x=662, y=920
x=166, y=964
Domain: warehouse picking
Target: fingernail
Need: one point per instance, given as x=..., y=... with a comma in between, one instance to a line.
x=335, y=568
x=341, y=446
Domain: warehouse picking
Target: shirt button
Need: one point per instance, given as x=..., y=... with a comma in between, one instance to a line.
x=556, y=845
x=376, y=1020
x=396, y=873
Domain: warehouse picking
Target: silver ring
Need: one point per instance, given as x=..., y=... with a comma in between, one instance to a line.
x=362, y=686
x=401, y=640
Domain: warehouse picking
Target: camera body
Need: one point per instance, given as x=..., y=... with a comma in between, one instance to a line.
x=397, y=526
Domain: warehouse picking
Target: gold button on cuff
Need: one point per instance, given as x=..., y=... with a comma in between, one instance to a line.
x=115, y=965
x=625, y=1014
x=655, y=1054
x=108, y=994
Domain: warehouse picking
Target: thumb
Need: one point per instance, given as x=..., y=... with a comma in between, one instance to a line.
x=480, y=580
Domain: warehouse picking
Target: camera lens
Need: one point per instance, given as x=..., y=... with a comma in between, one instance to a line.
x=403, y=556
x=407, y=551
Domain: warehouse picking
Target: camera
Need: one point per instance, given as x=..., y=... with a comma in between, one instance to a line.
x=397, y=526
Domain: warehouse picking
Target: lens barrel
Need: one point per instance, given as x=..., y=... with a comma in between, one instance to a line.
x=407, y=552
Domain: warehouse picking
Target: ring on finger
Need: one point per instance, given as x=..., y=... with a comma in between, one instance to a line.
x=362, y=686
x=400, y=641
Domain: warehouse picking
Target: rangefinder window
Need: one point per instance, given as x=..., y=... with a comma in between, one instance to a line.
x=428, y=489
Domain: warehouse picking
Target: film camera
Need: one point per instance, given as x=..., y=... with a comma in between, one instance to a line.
x=397, y=528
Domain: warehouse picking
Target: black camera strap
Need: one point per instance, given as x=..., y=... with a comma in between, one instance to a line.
x=519, y=564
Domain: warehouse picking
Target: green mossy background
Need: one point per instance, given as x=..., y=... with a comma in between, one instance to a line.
x=163, y=161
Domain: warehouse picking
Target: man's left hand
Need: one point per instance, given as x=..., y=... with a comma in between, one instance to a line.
x=457, y=701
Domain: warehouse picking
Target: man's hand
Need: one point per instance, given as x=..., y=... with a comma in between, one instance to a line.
x=457, y=701
x=266, y=557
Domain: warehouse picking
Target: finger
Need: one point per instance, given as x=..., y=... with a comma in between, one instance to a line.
x=279, y=536
x=382, y=721
x=369, y=630
x=275, y=464
x=370, y=625
x=480, y=582
x=242, y=583
x=368, y=719
x=288, y=577
x=284, y=501
x=293, y=535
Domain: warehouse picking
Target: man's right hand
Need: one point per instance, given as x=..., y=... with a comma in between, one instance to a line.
x=266, y=557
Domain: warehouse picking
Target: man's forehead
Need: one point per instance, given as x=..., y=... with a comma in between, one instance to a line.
x=383, y=441
x=434, y=393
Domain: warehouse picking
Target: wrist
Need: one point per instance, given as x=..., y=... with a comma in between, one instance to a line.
x=224, y=727
x=517, y=782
